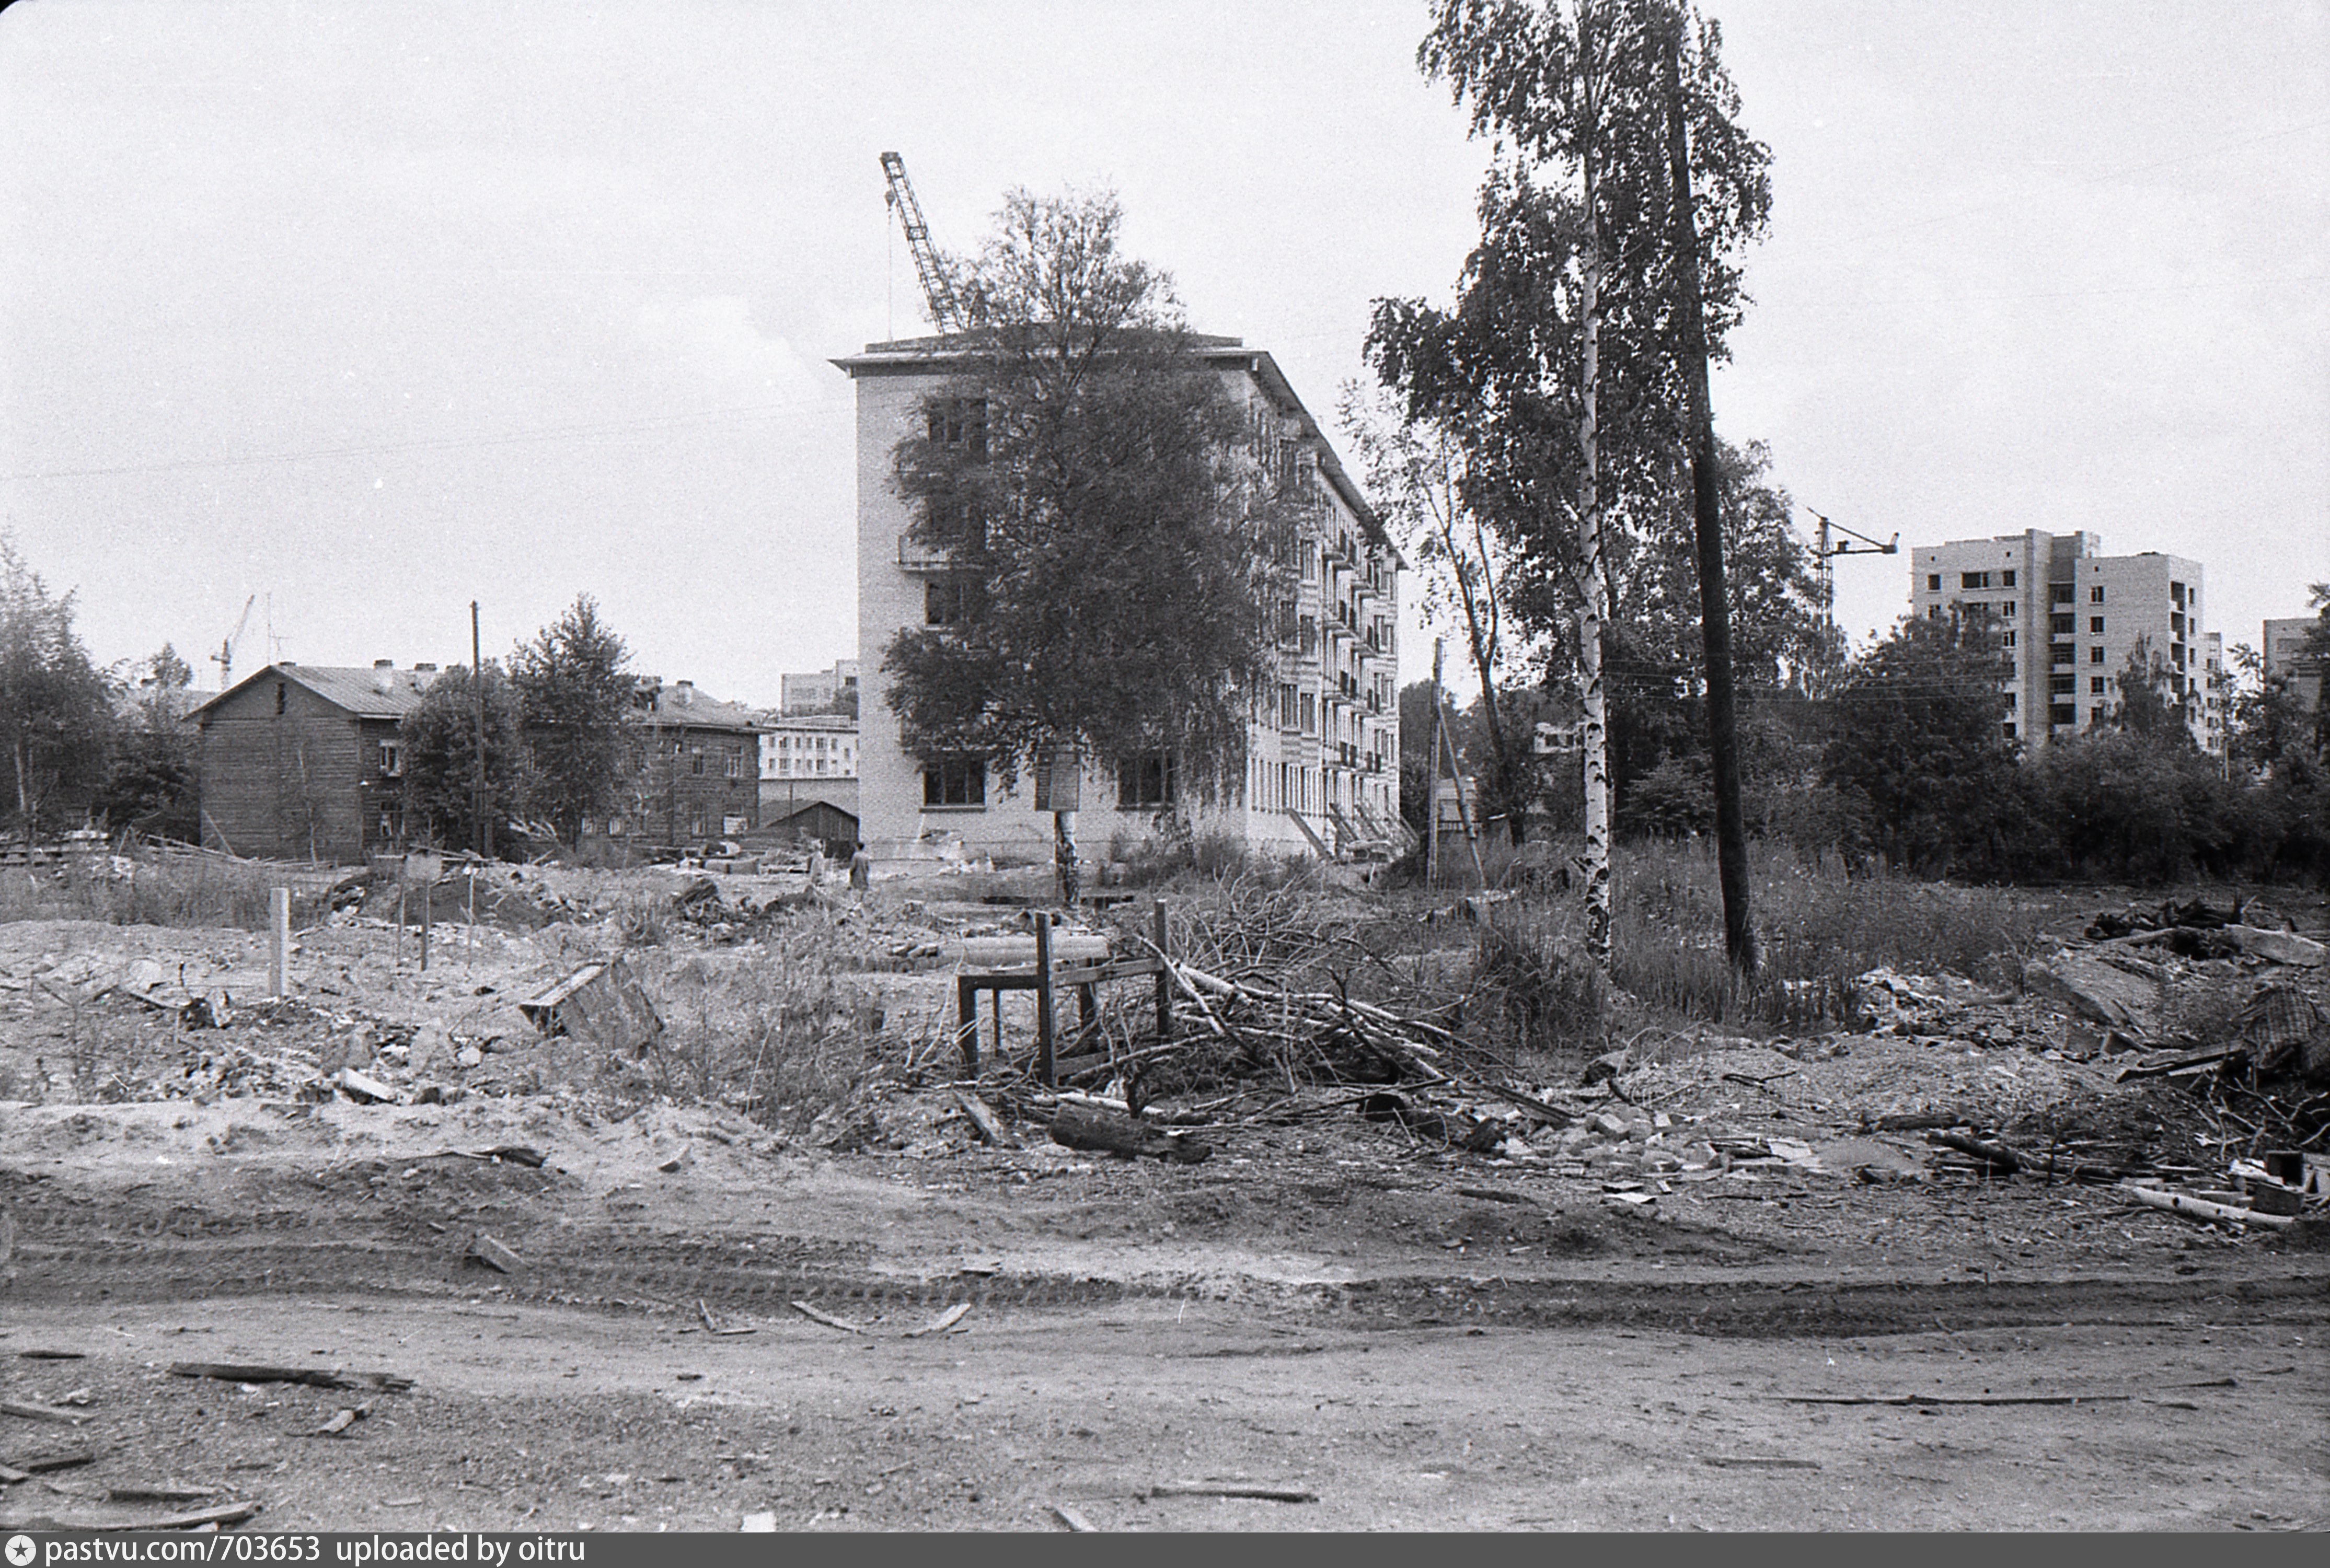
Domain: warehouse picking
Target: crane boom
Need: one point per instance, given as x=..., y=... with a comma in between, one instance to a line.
x=937, y=290
x=224, y=657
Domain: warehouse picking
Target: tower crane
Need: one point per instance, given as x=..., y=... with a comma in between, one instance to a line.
x=946, y=315
x=1830, y=549
x=224, y=657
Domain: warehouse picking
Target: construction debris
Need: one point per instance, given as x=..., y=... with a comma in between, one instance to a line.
x=599, y=1003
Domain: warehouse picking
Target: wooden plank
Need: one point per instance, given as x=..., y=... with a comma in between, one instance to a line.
x=41, y=1412
x=984, y=1118
x=1164, y=985
x=828, y=1318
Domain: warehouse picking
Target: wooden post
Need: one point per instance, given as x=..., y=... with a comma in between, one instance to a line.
x=1432, y=791
x=428, y=921
x=966, y=1023
x=1164, y=980
x=1044, y=997
x=279, y=941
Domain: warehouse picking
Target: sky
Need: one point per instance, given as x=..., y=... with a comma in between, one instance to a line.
x=358, y=313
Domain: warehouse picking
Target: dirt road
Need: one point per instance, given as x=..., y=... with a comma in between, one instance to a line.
x=1407, y=1345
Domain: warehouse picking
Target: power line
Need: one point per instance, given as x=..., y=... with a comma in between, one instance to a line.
x=650, y=425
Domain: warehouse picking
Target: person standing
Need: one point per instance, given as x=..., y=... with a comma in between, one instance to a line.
x=861, y=870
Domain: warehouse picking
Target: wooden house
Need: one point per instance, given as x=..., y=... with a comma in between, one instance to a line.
x=301, y=761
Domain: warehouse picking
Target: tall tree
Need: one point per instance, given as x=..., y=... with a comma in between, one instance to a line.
x=55, y=713
x=1561, y=367
x=1413, y=469
x=575, y=705
x=1920, y=745
x=441, y=793
x=1117, y=528
x=149, y=777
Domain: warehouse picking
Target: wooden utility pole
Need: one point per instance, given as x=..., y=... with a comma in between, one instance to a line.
x=478, y=701
x=1714, y=603
x=1432, y=790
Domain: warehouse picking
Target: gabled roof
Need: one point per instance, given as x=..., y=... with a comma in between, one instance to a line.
x=359, y=690
x=666, y=706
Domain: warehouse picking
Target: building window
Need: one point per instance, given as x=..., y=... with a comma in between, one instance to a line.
x=2006, y=637
x=2095, y=685
x=2058, y=593
x=1144, y=782
x=2062, y=686
x=281, y=694
x=1974, y=579
x=2094, y=625
x=2096, y=594
x=2096, y=656
x=696, y=824
x=2063, y=625
x=1933, y=583
x=955, y=781
x=2010, y=729
x=2007, y=579
x=391, y=759
x=959, y=423
x=736, y=763
x=1307, y=707
x=948, y=601
x=2064, y=716
x=695, y=760
x=2177, y=594
x=2007, y=609
x=2010, y=701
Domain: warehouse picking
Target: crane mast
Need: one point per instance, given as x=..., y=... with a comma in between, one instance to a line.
x=1830, y=548
x=945, y=313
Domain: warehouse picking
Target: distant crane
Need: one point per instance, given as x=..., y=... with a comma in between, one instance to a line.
x=946, y=315
x=224, y=657
x=1830, y=550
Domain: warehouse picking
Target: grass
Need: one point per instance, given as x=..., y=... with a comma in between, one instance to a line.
x=777, y=1030
x=1818, y=928
x=113, y=889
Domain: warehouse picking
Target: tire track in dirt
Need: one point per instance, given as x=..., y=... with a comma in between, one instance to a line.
x=220, y=1256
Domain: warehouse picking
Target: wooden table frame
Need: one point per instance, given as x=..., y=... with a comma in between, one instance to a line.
x=1045, y=979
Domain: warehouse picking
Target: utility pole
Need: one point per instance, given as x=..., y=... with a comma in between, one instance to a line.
x=1432, y=790
x=1714, y=603
x=478, y=701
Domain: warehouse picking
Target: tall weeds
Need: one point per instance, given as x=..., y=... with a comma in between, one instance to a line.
x=1820, y=929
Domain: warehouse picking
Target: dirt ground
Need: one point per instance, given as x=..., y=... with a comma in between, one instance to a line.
x=1842, y=1327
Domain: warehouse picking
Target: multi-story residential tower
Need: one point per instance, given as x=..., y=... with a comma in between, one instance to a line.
x=2068, y=619
x=1323, y=755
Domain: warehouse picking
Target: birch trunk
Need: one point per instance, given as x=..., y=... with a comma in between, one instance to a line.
x=1593, y=697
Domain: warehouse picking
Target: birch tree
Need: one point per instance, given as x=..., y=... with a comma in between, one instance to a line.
x=1559, y=367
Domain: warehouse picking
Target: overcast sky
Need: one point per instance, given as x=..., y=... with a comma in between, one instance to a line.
x=369, y=310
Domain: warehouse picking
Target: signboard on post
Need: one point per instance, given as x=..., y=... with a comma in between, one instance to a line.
x=1058, y=781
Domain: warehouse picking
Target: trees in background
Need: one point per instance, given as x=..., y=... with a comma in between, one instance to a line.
x=149, y=778
x=55, y=711
x=448, y=794
x=1920, y=753
x=575, y=706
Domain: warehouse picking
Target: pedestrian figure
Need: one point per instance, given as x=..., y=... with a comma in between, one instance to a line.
x=861, y=870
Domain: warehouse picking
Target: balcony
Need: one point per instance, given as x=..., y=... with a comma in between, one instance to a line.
x=915, y=557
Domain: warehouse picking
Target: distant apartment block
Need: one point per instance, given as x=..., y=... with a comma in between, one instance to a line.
x=2068, y=619
x=820, y=690
x=808, y=746
x=2286, y=658
x=1322, y=749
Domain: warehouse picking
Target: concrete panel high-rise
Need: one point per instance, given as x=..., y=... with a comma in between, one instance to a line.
x=2068, y=618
